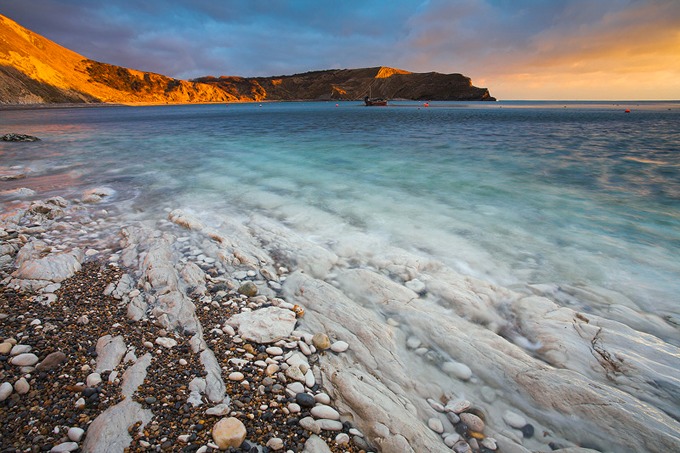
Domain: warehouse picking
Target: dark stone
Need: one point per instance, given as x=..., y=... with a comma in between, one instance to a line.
x=89, y=391
x=18, y=138
x=528, y=431
x=462, y=429
x=305, y=400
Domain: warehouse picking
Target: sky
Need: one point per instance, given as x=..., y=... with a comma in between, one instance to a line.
x=519, y=49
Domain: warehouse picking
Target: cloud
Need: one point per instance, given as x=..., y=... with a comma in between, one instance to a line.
x=499, y=43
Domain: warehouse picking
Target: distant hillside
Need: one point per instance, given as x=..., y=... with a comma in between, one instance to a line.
x=35, y=70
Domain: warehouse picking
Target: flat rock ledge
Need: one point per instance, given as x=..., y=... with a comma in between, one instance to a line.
x=13, y=137
x=155, y=345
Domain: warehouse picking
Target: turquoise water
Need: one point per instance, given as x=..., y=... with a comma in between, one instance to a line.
x=568, y=194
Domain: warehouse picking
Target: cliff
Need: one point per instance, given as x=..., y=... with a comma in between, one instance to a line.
x=35, y=70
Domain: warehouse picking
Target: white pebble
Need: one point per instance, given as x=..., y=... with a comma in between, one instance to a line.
x=436, y=425
x=275, y=443
x=294, y=408
x=6, y=390
x=330, y=425
x=356, y=432
x=166, y=342
x=274, y=350
x=436, y=405
x=75, y=434
x=457, y=370
x=228, y=330
x=339, y=346
x=413, y=342
x=93, y=380
x=183, y=362
x=451, y=439
x=342, y=439
x=514, y=420
x=24, y=360
x=80, y=404
x=323, y=411
x=296, y=387
x=20, y=349
x=322, y=398
x=490, y=443
x=64, y=447
x=304, y=348
x=148, y=345
x=236, y=376
x=458, y=406
x=309, y=378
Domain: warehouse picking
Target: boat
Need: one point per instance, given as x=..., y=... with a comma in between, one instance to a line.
x=375, y=101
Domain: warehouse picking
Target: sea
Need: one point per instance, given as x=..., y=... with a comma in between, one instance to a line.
x=518, y=194
x=514, y=193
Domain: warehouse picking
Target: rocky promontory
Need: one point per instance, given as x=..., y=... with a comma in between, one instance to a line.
x=35, y=70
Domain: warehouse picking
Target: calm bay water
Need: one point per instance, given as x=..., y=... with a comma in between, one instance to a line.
x=513, y=193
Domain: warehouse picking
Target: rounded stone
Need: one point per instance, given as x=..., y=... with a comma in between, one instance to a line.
x=75, y=434
x=236, y=376
x=514, y=420
x=322, y=398
x=271, y=369
x=458, y=406
x=472, y=421
x=323, y=411
x=342, y=439
x=310, y=424
x=5, y=347
x=20, y=349
x=305, y=400
x=229, y=432
x=6, y=390
x=93, y=380
x=435, y=425
x=527, y=431
x=490, y=443
x=26, y=359
x=274, y=350
x=166, y=342
x=21, y=386
x=451, y=439
x=339, y=346
x=275, y=444
x=321, y=341
x=294, y=408
x=248, y=289
x=64, y=447
x=296, y=387
x=457, y=370
x=330, y=425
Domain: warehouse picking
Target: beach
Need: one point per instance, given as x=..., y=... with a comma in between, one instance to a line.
x=437, y=285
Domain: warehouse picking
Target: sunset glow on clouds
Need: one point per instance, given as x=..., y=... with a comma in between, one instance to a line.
x=524, y=49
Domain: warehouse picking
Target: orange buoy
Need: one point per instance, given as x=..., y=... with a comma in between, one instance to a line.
x=627, y=111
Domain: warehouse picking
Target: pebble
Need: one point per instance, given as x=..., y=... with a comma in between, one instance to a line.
x=274, y=350
x=435, y=425
x=63, y=447
x=461, y=447
x=451, y=439
x=296, y=387
x=294, y=372
x=275, y=443
x=20, y=349
x=329, y=425
x=413, y=342
x=6, y=390
x=248, y=289
x=323, y=411
x=80, y=404
x=514, y=420
x=305, y=400
x=474, y=422
x=218, y=410
x=21, y=386
x=322, y=398
x=166, y=342
x=294, y=408
x=75, y=434
x=236, y=376
x=436, y=405
x=527, y=431
x=27, y=359
x=93, y=380
x=52, y=361
x=457, y=370
x=342, y=439
x=183, y=362
x=229, y=432
x=271, y=369
x=321, y=341
x=310, y=380
x=5, y=347
x=310, y=424
x=339, y=346
x=490, y=443
x=304, y=348
x=458, y=406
